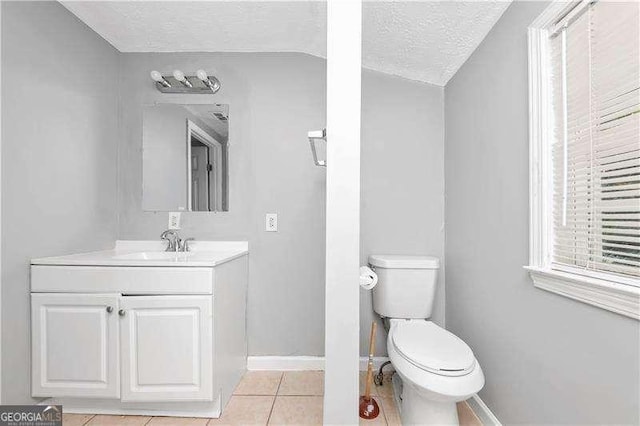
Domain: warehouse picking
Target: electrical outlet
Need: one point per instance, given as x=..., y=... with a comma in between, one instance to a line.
x=174, y=220
x=271, y=222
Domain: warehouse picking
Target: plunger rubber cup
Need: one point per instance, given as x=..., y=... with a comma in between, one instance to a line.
x=369, y=408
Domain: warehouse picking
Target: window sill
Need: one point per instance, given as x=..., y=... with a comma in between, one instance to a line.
x=619, y=298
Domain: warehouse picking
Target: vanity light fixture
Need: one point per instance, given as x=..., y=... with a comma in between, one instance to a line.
x=179, y=75
x=158, y=78
x=201, y=83
x=211, y=82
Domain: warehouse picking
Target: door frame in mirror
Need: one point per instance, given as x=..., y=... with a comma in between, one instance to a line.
x=211, y=142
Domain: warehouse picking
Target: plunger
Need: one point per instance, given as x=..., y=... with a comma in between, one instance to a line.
x=369, y=408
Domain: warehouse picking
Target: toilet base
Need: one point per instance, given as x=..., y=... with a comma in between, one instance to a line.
x=415, y=409
x=428, y=398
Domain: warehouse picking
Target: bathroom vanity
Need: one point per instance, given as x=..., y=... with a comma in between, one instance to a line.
x=137, y=330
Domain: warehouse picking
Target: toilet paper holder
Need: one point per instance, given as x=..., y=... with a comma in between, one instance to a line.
x=368, y=278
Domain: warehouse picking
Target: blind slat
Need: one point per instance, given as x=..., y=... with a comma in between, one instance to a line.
x=596, y=148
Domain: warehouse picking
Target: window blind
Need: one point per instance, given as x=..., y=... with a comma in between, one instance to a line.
x=595, y=67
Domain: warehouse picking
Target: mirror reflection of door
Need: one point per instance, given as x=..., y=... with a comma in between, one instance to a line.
x=205, y=169
x=185, y=157
x=199, y=176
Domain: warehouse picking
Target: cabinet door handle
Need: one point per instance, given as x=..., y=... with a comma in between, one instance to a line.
x=121, y=312
x=109, y=309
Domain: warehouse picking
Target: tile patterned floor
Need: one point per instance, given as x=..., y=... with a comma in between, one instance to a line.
x=272, y=398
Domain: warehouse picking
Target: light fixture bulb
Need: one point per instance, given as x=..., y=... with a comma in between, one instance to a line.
x=202, y=75
x=156, y=76
x=178, y=75
x=159, y=79
x=211, y=82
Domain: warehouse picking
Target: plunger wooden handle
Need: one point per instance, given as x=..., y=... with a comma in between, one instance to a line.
x=372, y=344
x=372, y=340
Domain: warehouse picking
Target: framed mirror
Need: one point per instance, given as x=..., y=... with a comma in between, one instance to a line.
x=185, y=158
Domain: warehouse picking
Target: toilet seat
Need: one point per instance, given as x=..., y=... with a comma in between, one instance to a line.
x=433, y=385
x=432, y=349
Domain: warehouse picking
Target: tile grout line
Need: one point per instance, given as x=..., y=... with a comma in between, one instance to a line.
x=384, y=413
x=209, y=420
x=389, y=398
x=273, y=403
x=219, y=416
x=303, y=394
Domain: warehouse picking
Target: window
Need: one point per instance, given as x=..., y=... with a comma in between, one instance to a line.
x=585, y=153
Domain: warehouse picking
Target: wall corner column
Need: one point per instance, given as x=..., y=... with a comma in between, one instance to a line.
x=342, y=310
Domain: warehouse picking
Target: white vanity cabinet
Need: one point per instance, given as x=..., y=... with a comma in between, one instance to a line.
x=164, y=344
x=135, y=337
x=166, y=348
x=75, y=345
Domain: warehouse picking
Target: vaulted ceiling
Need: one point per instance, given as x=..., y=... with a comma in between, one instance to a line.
x=420, y=40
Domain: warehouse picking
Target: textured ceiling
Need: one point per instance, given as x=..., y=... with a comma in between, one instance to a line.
x=207, y=26
x=421, y=40
x=427, y=40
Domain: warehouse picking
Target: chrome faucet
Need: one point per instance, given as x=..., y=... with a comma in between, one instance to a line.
x=174, y=242
x=172, y=238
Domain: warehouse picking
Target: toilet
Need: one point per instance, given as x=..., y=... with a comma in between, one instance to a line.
x=435, y=368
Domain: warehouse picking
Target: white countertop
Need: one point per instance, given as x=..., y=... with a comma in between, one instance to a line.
x=151, y=253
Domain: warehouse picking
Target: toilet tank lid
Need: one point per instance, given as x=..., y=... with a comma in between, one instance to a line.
x=404, y=261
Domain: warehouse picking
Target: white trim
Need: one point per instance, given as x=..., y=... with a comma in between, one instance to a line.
x=0, y=207
x=572, y=11
x=377, y=362
x=206, y=138
x=623, y=299
x=285, y=363
x=606, y=277
x=540, y=119
x=342, y=249
x=487, y=418
x=538, y=133
x=301, y=363
x=550, y=15
x=606, y=291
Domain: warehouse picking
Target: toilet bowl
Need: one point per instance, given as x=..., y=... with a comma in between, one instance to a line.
x=437, y=370
x=435, y=367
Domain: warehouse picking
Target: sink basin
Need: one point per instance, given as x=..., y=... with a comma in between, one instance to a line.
x=154, y=255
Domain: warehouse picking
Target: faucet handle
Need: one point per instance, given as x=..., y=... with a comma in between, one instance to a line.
x=184, y=244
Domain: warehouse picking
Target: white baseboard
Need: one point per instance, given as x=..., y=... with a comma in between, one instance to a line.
x=483, y=412
x=285, y=363
x=300, y=363
x=377, y=362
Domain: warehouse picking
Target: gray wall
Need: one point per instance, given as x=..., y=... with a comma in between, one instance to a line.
x=274, y=100
x=59, y=128
x=69, y=141
x=402, y=180
x=547, y=359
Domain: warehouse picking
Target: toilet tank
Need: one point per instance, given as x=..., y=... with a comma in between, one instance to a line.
x=406, y=285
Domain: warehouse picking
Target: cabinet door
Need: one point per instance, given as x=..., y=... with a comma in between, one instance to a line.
x=166, y=348
x=74, y=345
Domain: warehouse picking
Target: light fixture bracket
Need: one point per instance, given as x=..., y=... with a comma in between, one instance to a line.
x=198, y=86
